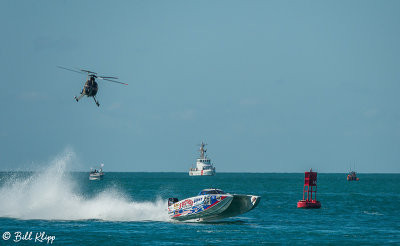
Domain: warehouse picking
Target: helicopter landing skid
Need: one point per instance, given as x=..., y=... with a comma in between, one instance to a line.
x=78, y=98
x=97, y=103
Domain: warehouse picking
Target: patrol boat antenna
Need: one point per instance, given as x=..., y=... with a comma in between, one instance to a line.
x=202, y=150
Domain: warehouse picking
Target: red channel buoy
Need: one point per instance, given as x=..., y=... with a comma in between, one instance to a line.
x=310, y=181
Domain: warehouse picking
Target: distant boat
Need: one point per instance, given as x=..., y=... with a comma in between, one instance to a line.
x=352, y=176
x=96, y=174
x=203, y=164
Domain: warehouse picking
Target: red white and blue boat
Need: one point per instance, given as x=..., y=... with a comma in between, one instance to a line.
x=211, y=204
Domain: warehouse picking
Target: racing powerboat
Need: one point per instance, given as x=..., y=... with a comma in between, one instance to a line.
x=211, y=204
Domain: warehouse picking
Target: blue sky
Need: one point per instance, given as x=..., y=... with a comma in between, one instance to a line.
x=271, y=86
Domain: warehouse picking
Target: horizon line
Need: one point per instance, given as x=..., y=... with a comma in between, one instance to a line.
x=3, y=171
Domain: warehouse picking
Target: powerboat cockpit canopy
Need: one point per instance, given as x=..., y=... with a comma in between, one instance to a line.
x=211, y=192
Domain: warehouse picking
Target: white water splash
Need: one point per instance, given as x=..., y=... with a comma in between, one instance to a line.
x=50, y=195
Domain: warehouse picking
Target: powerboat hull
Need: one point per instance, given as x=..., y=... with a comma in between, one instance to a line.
x=199, y=207
x=209, y=207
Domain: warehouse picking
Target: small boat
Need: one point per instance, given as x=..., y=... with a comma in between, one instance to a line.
x=211, y=204
x=203, y=164
x=96, y=174
x=352, y=176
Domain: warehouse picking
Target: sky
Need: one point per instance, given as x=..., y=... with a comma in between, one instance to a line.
x=270, y=86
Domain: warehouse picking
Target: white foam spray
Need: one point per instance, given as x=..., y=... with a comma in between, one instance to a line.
x=51, y=195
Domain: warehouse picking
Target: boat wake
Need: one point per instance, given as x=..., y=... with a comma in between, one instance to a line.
x=372, y=213
x=52, y=195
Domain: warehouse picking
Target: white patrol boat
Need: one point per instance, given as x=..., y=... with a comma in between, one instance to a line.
x=211, y=204
x=203, y=164
x=96, y=174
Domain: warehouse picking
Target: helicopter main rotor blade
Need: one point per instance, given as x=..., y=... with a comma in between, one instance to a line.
x=82, y=71
x=107, y=77
x=112, y=80
x=72, y=70
x=87, y=71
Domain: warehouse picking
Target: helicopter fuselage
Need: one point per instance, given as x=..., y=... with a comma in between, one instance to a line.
x=91, y=87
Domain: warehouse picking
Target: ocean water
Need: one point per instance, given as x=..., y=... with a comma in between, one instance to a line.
x=130, y=209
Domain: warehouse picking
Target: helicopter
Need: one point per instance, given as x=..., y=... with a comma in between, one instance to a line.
x=91, y=87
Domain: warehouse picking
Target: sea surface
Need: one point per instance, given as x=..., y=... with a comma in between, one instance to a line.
x=130, y=209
